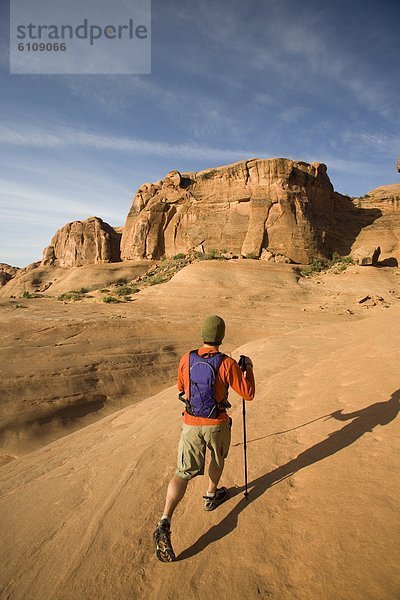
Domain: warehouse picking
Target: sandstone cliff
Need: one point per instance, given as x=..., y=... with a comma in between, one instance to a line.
x=385, y=230
x=82, y=243
x=385, y=197
x=284, y=206
x=7, y=272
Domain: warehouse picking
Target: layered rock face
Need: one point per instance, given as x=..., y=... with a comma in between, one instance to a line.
x=82, y=243
x=385, y=197
x=385, y=230
x=286, y=207
x=7, y=272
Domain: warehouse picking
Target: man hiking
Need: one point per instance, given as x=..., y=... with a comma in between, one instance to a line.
x=204, y=377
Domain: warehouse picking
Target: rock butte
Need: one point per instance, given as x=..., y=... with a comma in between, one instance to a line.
x=277, y=209
x=286, y=207
x=83, y=242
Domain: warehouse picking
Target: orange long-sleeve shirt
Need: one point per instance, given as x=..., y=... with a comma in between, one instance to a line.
x=229, y=374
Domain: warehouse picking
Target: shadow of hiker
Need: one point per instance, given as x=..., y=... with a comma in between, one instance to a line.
x=364, y=420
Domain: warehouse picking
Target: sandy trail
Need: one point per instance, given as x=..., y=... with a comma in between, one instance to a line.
x=64, y=366
x=322, y=519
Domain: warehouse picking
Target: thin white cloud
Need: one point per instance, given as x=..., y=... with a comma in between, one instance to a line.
x=62, y=136
x=25, y=202
x=382, y=143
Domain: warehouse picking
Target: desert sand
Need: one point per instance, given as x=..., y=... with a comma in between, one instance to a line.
x=322, y=517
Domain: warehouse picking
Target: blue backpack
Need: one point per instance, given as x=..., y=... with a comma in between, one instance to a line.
x=202, y=374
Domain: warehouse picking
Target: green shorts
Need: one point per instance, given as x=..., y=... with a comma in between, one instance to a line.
x=193, y=444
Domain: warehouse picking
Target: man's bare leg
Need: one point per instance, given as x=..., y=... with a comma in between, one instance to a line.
x=175, y=492
x=214, y=475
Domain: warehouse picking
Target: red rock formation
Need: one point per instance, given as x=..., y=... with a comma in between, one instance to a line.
x=7, y=272
x=384, y=231
x=82, y=243
x=284, y=206
x=384, y=197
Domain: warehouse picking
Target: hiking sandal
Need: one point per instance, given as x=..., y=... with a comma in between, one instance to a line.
x=162, y=539
x=211, y=502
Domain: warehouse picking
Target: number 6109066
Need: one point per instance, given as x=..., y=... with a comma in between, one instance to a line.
x=42, y=47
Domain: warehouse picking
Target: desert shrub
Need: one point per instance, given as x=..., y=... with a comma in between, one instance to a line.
x=19, y=306
x=83, y=290
x=126, y=291
x=29, y=295
x=156, y=279
x=251, y=255
x=111, y=300
x=323, y=264
x=179, y=256
x=72, y=295
x=213, y=255
x=121, y=282
x=316, y=266
x=200, y=256
x=341, y=262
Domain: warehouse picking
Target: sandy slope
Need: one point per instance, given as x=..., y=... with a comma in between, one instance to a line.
x=64, y=366
x=322, y=520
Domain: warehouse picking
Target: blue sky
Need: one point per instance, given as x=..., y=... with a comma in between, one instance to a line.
x=313, y=81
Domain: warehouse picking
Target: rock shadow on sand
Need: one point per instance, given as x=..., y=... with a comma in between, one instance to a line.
x=362, y=421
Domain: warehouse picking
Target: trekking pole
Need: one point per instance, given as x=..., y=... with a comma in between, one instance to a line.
x=242, y=365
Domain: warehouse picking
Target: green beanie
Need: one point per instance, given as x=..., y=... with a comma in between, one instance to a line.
x=213, y=330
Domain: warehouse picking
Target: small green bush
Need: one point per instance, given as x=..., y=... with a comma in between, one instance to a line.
x=156, y=279
x=179, y=256
x=201, y=256
x=73, y=295
x=126, y=291
x=111, y=300
x=121, y=282
x=323, y=264
x=251, y=255
x=212, y=255
x=316, y=266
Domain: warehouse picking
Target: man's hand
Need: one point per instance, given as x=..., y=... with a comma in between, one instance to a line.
x=245, y=362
